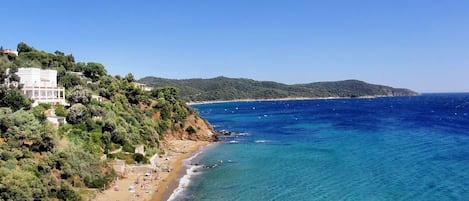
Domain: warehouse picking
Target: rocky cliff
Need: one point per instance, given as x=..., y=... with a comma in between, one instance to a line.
x=194, y=128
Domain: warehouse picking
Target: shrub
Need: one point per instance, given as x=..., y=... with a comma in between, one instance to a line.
x=39, y=113
x=14, y=99
x=45, y=105
x=128, y=147
x=139, y=158
x=77, y=113
x=60, y=111
x=79, y=95
x=66, y=192
x=190, y=130
x=99, y=182
x=151, y=151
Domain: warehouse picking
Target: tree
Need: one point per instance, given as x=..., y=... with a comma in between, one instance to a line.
x=59, y=53
x=66, y=192
x=70, y=80
x=8, y=71
x=106, y=80
x=79, y=95
x=119, y=135
x=133, y=93
x=69, y=63
x=165, y=109
x=24, y=126
x=107, y=86
x=47, y=141
x=23, y=47
x=130, y=77
x=170, y=94
x=77, y=113
x=5, y=120
x=80, y=67
x=20, y=185
x=14, y=99
x=94, y=70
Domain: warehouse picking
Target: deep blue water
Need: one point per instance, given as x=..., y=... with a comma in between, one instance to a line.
x=399, y=148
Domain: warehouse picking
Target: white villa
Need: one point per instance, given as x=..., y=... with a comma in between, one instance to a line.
x=10, y=52
x=142, y=86
x=41, y=86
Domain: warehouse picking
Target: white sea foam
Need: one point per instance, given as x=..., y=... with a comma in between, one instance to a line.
x=188, y=160
x=190, y=172
x=262, y=141
x=184, y=181
x=243, y=134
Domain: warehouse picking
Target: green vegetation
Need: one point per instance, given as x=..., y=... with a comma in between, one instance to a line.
x=190, y=130
x=13, y=98
x=223, y=88
x=41, y=162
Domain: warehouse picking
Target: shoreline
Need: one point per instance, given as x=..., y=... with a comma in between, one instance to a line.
x=282, y=99
x=186, y=173
x=160, y=184
x=171, y=183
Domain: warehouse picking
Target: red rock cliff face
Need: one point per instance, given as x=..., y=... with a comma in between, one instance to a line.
x=196, y=129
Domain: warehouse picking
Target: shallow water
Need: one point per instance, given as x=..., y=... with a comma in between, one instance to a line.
x=400, y=148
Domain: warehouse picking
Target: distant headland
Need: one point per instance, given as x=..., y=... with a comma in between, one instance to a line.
x=226, y=89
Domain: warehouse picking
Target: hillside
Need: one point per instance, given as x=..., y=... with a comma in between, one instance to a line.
x=107, y=118
x=223, y=88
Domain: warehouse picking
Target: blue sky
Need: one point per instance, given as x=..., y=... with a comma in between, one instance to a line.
x=417, y=44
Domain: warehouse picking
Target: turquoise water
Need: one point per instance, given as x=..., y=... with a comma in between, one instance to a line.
x=402, y=148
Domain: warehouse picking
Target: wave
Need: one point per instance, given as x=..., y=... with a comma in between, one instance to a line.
x=242, y=134
x=188, y=160
x=191, y=171
x=184, y=181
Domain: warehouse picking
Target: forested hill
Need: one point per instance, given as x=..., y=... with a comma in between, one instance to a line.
x=107, y=118
x=223, y=88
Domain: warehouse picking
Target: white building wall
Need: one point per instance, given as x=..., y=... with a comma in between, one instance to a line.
x=41, y=85
x=49, y=78
x=29, y=77
x=35, y=77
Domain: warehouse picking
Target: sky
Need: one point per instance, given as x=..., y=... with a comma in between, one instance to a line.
x=418, y=44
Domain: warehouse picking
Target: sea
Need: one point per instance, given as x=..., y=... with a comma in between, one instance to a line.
x=387, y=148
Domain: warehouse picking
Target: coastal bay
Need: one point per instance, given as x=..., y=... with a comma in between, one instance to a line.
x=234, y=100
x=337, y=149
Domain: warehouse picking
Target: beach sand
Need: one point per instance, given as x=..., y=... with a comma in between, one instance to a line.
x=280, y=99
x=159, y=184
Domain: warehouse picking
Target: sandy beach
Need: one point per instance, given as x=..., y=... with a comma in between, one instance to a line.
x=141, y=183
x=279, y=99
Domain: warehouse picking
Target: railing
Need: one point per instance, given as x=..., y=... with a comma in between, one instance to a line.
x=42, y=87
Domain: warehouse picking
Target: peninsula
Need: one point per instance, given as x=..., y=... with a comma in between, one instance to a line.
x=225, y=89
